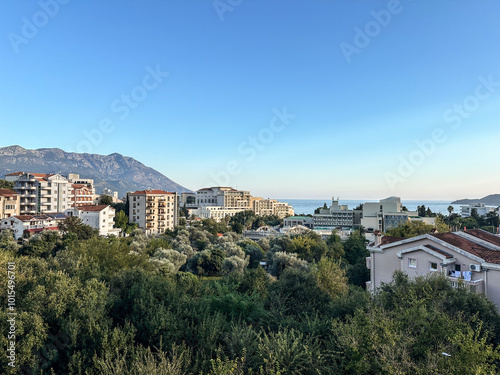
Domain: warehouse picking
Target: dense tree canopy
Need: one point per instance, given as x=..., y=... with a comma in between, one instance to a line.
x=193, y=301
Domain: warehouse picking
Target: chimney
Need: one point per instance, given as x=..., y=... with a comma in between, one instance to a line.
x=378, y=237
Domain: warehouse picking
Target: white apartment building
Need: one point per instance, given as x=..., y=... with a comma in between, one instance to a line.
x=153, y=210
x=470, y=258
x=481, y=208
x=99, y=217
x=9, y=203
x=217, y=213
x=43, y=193
x=31, y=224
x=335, y=216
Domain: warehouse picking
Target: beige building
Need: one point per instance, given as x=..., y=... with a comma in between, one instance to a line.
x=218, y=202
x=471, y=258
x=388, y=213
x=223, y=197
x=268, y=207
x=153, y=210
x=9, y=203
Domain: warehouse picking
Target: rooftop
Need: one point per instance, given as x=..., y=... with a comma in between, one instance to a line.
x=8, y=193
x=96, y=208
x=150, y=192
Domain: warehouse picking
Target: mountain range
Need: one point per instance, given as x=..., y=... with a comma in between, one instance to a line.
x=117, y=172
x=489, y=200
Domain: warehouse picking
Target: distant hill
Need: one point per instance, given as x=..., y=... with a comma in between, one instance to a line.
x=115, y=171
x=489, y=200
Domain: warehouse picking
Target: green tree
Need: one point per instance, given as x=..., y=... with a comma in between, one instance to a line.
x=76, y=226
x=207, y=262
x=330, y=277
x=450, y=210
x=335, y=247
x=6, y=184
x=106, y=199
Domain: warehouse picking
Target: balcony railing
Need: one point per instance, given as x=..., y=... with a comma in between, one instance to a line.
x=474, y=285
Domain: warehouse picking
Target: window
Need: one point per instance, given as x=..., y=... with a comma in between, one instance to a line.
x=433, y=266
x=412, y=262
x=458, y=267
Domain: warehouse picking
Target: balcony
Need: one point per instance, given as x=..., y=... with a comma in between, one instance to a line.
x=476, y=286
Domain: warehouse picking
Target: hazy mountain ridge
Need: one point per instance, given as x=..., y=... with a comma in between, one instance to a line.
x=489, y=200
x=113, y=171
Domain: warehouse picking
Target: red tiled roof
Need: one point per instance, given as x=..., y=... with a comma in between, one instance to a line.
x=485, y=236
x=8, y=193
x=390, y=239
x=96, y=208
x=492, y=256
x=41, y=229
x=15, y=174
x=23, y=217
x=434, y=248
x=146, y=192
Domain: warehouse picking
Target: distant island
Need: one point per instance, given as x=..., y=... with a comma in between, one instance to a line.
x=489, y=200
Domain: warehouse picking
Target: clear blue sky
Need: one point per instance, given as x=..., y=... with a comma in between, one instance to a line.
x=364, y=81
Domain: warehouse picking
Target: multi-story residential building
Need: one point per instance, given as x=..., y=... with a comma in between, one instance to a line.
x=470, y=258
x=481, y=209
x=75, y=178
x=268, y=207
x=223, y=197
x=41, y=193
x=9, y=203
x=100, y=217
x=217, y=213
x=31, y=224
x=218, y=202
x=335, y=216
x=81, y=195
x=388, y=213
x=153, y=210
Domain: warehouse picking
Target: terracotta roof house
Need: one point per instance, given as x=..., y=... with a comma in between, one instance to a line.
x=471, y=258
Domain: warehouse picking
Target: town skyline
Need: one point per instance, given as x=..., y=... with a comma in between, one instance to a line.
x=363, y=100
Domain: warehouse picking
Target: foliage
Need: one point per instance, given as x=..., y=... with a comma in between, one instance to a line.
x=106, y=199
x=75, y=225
x=126, y=306
x=330, y=277
x=282, y=260
x=4, y=184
